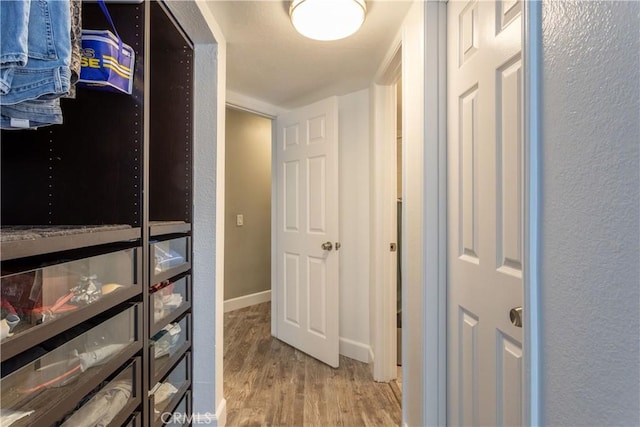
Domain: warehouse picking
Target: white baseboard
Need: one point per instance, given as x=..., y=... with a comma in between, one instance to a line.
x=371, y=355
x=355, y=350
x=247, y=301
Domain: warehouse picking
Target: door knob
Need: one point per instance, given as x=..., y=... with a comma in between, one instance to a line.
x=327, y=246
x=516, y=316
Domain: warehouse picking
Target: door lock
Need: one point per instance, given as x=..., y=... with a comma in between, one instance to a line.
x=327, y=246
x=516, y=316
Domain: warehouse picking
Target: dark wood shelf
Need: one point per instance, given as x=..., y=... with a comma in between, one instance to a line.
x=53, y=403
x=161, y=228
x=20, y=342
x=170, y=318
x=116, y=174
x=180, y=394
x=167, y=364
x=27, y=241
x=170, y=363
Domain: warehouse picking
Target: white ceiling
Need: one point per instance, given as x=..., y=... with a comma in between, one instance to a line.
x=269, y=61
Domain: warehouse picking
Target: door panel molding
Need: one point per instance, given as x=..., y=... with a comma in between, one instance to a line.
x=305, y=307
x=485, y=187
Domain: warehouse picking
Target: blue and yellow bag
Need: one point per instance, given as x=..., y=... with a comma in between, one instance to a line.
x=107, y=62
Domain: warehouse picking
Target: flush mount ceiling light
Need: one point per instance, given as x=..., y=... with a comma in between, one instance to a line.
x=327, y=19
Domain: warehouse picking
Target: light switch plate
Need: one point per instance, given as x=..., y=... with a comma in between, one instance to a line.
x=239, y=220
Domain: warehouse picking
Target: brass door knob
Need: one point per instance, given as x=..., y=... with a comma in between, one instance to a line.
x=327, y=246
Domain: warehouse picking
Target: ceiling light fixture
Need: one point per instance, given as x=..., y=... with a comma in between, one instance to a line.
x=327, y=19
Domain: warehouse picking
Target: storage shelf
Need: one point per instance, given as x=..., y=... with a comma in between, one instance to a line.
x=170, y=363
x=169, y=258
x=170, y=318
x=161, y=366
x=160, y=228
x=174, y=400
x=37, y=334
x=26, y=241
x=139, y=195
x=62, y=400
x=132, y=372
x=174, y=403
x=52, y=385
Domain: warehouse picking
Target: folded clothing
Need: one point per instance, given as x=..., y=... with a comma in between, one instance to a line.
x=166, y=340
x=166, y=258
x=103, y=406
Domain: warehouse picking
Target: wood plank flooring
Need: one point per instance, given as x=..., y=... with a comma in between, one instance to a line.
x=269, y=383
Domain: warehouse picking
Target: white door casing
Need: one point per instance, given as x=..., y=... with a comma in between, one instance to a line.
x=306, y=159
x=485, y=215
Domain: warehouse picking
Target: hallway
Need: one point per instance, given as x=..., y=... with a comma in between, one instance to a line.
x=269, y=383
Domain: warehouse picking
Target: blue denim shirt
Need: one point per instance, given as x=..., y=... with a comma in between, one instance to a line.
x=35, y=50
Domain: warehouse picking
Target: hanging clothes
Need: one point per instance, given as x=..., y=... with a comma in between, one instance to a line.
x=76, y=45
x=35, y=58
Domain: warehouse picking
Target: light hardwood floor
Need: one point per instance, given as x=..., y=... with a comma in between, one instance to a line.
x=269, y=383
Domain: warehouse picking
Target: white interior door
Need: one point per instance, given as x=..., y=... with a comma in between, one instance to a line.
x=485, y=365
x=306, y=158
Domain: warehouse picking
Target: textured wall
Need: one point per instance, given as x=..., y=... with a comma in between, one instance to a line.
x=208, y=130
x=590, y=214
x=247, y=264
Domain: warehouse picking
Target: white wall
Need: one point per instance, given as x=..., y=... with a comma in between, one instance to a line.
x=208, y=227
x=353, y=127
x=590, y=222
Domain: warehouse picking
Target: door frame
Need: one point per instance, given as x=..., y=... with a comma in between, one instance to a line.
x=425, y=263
x=419, y=51
x=383, y=181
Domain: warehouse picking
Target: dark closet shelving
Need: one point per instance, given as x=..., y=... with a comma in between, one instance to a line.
x=170, y=167
x=117, y=176
x=27, y=241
